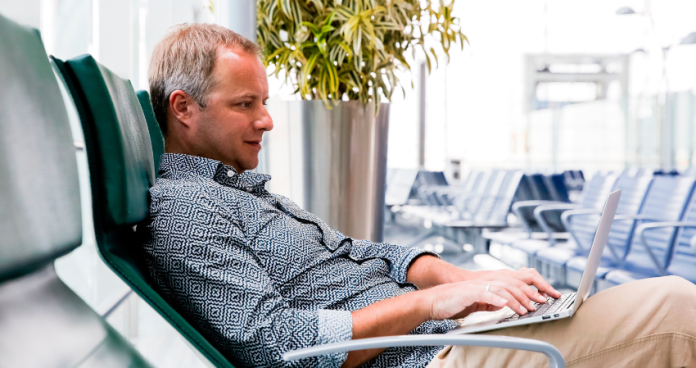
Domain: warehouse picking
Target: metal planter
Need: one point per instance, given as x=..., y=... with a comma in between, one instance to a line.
x=331, y=162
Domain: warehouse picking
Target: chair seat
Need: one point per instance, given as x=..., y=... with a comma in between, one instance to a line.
x=619, y=277
x=470, y=223
x=641, y=264
x=531, y=246
x=685, y=268
x=504, y=237
x=578, y=264
x=558, y=255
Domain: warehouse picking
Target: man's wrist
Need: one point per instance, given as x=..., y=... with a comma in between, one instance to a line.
x=428, y=270
x=419, y=271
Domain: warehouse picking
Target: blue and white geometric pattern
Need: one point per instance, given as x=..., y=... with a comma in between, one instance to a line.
x=259, y=276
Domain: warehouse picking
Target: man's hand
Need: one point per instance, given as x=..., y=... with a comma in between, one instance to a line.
x=521, y=278
x=457, y=300
x=431, y=272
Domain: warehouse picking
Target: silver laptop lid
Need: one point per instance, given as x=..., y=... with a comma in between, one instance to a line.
x=600, y=240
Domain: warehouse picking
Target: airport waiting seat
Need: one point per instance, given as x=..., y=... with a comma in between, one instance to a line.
x=494, y=204
x=469, y=185
x=634, y=190
x=491, y=213
x=534, y=191
x=518, y=248
x=156, y=139
x=664, y=201
x=121, y=169
x=399, y=187
x=650, y=251
x=683, y=259
x=467, y=204
x=42, y=322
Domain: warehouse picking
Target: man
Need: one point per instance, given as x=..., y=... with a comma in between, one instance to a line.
x=258, y=276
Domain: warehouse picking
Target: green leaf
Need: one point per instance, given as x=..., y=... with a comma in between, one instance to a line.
x=331, y=47
x=332, y=76
x=432, y=51
x=312, y=28
x=322, y=46
x=344, y=13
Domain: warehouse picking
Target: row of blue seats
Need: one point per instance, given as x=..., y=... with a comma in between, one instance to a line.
x=483, y=201
x=651, y=235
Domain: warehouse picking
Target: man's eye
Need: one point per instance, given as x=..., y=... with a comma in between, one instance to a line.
x=245, y=104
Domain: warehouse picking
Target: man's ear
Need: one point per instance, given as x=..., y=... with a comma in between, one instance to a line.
x=182, y=106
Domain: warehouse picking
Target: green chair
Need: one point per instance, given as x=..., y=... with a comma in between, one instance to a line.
x=121, y=168
x=153, y=127
x=42, y=322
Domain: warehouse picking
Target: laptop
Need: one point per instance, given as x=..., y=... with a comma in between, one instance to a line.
x=554, y=309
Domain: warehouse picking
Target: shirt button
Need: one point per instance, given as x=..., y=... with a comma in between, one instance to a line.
x=230, y=173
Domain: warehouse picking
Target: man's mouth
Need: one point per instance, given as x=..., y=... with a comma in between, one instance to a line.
x=256, y=144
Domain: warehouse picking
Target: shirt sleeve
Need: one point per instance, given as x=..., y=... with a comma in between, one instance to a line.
x=399, y=257
x=201, y=264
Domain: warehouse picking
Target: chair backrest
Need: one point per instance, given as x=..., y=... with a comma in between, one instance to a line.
x=37, y=158
x=425, y=180
x=683, y=260
x=399, y=188
x=594, y=195
x=469, y=202
x=448, y=194
x=121, y=173
x=666, y=201
x=557, y=187
x=506, y=195
x=596, y=190
x=484, y=205
x=633, y=193
x=156, y=139
x=42, y=322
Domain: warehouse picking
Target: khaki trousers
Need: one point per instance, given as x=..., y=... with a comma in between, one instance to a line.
x=647, y=323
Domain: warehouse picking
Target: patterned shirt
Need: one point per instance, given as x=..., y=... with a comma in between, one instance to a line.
x=259, y=276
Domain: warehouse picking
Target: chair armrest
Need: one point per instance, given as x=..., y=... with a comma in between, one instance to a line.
x=538, y=215
x=554, y=356
x=641, y=229
x=565, y=219
x=634, y=217
x=521, y=204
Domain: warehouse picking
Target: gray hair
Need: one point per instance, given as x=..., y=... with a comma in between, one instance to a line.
x=184, y=60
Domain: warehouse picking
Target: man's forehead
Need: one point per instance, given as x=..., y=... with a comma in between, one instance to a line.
x=241, y=71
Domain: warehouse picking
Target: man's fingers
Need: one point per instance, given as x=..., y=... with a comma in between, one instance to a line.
x=518, y=290
x=511, y=301
x=542, y=285
x=527, y=290
x=489, y=297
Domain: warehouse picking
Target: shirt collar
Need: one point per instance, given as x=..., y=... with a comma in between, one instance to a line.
x=177, y=164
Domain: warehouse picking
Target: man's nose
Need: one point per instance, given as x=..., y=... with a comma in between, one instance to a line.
x=265, y=122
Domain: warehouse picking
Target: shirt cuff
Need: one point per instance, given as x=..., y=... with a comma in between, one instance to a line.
x=400, y=269
x=334, y=326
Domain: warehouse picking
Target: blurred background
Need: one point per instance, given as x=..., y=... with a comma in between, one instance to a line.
x=543, y=85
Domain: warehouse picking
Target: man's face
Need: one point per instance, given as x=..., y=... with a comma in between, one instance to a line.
x=231, y=126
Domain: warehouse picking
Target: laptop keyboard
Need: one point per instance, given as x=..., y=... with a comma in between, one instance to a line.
x=551, y=306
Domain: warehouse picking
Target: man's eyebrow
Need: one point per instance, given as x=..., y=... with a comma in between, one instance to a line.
x=249, y=95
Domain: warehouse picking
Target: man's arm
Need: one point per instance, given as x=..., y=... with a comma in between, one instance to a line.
x=402, y=314
x=446, y=292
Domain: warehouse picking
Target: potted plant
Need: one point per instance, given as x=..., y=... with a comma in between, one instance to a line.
x=344, y=57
